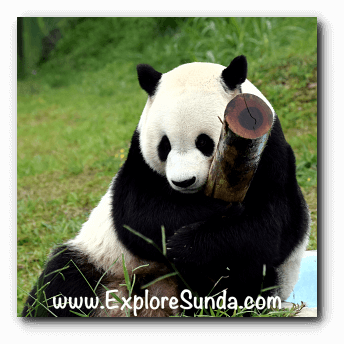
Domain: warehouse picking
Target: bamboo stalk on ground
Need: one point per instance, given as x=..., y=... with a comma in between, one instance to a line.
x=246, y=127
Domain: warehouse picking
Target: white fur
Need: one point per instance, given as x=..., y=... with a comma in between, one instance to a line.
x=288, y=272
x=98, y=239
x=190, y=100
x=183, y=165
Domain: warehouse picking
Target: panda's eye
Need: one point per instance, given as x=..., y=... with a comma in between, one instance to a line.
x=205, y=144
x=164, y=148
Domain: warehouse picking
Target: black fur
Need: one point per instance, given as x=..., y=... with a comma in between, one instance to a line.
x=164, y=148
x=235, y=74
x=148, y=78
x=205, y=144
x=204, y=235
x=63, y=277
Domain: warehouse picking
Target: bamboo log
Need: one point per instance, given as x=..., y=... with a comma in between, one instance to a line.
x=246, y=127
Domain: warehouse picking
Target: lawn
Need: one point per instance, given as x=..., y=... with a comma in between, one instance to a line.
x=76, y=112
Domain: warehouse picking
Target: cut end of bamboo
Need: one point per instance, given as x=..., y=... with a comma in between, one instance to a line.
x=248, y=116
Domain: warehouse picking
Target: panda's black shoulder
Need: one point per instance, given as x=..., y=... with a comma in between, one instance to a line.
x=277, y=165
x=275, y=177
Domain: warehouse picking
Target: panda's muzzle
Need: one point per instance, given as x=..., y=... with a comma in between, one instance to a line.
x=185, y=183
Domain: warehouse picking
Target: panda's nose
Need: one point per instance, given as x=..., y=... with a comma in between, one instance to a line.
x=185, y=183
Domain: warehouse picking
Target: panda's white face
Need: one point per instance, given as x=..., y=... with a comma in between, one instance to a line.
x=180, y=125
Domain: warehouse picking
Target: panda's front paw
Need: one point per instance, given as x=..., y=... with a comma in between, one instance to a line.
x=182, y=247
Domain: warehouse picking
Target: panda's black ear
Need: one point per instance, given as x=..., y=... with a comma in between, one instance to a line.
x=235, y=74
x=148, y=78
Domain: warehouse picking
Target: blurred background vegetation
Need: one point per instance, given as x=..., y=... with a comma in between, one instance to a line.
x=78, y=103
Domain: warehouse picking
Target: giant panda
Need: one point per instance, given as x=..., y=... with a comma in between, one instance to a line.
x=251, y=245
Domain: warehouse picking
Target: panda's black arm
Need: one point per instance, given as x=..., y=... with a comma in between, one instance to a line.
x=235, y=239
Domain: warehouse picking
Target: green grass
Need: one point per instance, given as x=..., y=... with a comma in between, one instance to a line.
x=75, y=117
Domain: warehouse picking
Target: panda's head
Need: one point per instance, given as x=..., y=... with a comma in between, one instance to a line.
x=181, y=123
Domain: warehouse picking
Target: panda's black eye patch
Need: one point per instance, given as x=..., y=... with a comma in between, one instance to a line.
x=164, y=148
x=205, y=144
